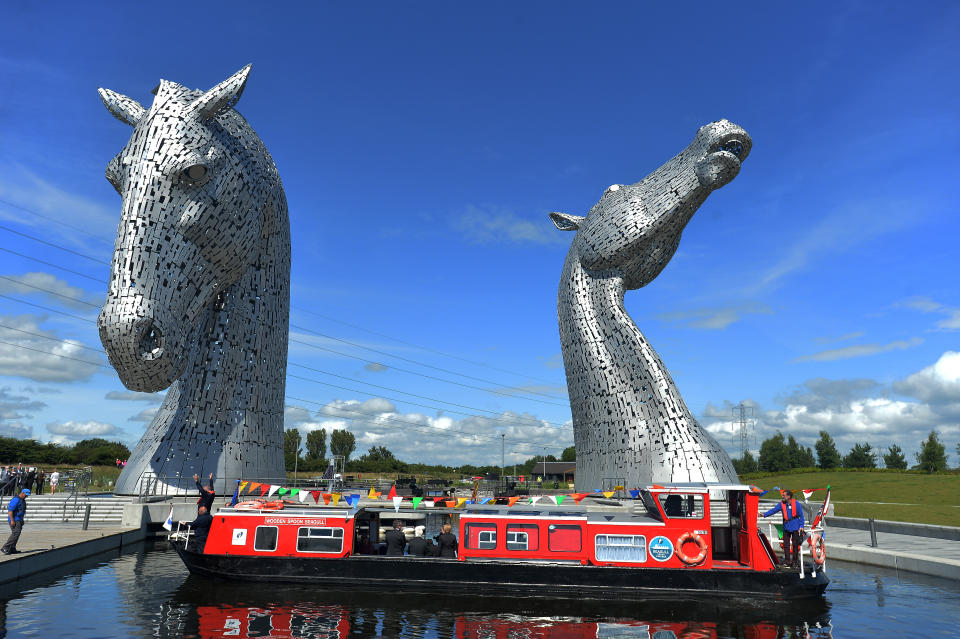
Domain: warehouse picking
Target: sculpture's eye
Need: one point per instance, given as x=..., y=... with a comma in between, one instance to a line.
x=733, y=146
x=194, y=175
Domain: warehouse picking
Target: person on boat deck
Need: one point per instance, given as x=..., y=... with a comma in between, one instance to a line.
x=447, y=543
x=365, y=547
x=420, y=547
x=792, y=526
x=396, y=540
x=200, y=528
x=207, y=495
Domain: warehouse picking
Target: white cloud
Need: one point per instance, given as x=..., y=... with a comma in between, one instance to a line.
x=440, y=439
x=16, y=430
x=73, y=431
x=717, y=318
x=39, y=359
x=494, y=224
x=842, y=338
x=858, y=410
x=951, y=321
x=939, y=382
x=22, y=188
x=146, y=415
x=135, y=396
x=52, y=289
x=375, y=367
x=859, y=350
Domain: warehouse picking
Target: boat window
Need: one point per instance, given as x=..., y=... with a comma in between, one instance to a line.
x=319, y=539
x=632, y=548
x=266, y=538
x=481, y=536
x=563, y=538
x=523, y=537
x=650, y=504
x=681, y=506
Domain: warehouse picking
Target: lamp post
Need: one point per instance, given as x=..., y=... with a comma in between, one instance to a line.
x=503, y=444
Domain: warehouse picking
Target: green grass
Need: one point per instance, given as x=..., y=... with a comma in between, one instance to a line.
x=926, y=499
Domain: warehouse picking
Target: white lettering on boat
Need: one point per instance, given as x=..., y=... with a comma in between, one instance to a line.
x=295, y=522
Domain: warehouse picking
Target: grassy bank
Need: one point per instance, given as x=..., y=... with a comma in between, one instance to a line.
x=895, y=496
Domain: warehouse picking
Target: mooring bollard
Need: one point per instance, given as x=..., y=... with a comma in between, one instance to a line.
x=873, y=533
x=86, y=516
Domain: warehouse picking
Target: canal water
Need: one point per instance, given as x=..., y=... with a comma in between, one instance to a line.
x=148, y=593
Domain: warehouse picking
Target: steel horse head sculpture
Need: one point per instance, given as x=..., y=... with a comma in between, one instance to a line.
x=630, y=422
x=198, y=300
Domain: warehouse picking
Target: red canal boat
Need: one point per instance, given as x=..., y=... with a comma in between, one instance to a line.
x=675, y=540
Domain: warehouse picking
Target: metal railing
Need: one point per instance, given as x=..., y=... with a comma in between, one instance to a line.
x=75, y=483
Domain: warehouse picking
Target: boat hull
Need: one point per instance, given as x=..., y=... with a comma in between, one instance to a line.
x=504, y=578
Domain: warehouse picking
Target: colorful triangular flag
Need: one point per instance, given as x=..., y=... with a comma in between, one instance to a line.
x=303, y=494
x=168, y=524
x=316, y=496
x=416, y=502
x=273, y=488
x=264, y=488
x=372, y=494
x=512, y=501
x=336, y=498
x=558, y=499
x=326, y=499
x=396, y=502
x=608, y=493
x=393, y=492
x=806, y=494
x=243, y=485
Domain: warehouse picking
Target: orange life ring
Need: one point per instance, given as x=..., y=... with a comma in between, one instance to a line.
x=259, y=505
x=817, y=548
x=697, y=539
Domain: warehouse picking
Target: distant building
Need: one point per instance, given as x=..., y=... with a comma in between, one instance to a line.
x=555, y=471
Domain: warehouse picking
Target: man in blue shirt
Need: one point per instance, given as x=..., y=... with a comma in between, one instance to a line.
x=15, y=513
x=792, y=527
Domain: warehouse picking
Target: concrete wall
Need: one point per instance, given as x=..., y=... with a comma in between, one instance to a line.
x=897, y=527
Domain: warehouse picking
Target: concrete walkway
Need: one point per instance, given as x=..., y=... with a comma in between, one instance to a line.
x=926, y=555
x=45, y=546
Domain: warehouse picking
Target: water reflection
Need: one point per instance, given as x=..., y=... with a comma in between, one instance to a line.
x=297, y=612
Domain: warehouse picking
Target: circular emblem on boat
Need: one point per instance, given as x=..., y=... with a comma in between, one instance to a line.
x=660, y=548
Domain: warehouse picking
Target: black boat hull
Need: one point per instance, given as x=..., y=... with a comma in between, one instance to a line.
x=505, y=579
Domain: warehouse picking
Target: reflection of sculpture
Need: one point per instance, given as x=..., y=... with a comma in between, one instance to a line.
x=629, y=420
x=199, y=285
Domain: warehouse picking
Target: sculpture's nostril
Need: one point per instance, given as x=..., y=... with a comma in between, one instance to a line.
x=151, y=342
x=733, y=146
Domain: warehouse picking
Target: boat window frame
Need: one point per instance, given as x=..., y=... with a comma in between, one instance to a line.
x=276, y=539
x=483, y=527
x=651, y=505
x=308, y=536
x=696, y=497
x=525, y=528
x=597, y=545
x=552, y=527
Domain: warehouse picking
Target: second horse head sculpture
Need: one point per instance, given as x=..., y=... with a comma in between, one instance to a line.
x=630, y=422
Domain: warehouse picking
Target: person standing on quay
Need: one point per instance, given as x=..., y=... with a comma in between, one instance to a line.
x=54, y=480
x=15, y=514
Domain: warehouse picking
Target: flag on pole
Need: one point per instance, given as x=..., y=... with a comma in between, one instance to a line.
x=236, y=494
x=806, y=494
x=168, y=524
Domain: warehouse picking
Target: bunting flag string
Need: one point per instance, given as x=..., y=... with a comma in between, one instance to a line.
x=282, y=491
x=393, y=492
x=429, y=504
x=303, y=494
x=396, y=502
x=294, y=491
x=253, y=486
x=326, y=499
x=372, y=494
x=316, y=496
x=273, y=488
x=416, y=502
x=243, y=485
x=264, y=488
x=608, y=493
x=461, y=501
x=535, y=499
x=634, y=494
x=336, y=498
x=353, y=499
x=512, y=501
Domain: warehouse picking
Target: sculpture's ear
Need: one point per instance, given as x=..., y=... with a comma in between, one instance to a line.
x=123, y=108
x=566, y=222
x=221, y=97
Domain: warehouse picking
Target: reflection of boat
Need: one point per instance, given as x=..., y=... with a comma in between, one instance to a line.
x=292, y=610
x=690, y=539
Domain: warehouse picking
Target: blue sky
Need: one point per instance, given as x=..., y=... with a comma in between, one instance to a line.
x=422, y=146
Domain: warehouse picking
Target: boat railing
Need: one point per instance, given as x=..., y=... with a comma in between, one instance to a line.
x=181, y=533
x=811, y=535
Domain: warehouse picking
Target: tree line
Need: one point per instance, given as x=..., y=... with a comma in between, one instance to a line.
x=310, y=455
x=779, y=454
x=88, y=452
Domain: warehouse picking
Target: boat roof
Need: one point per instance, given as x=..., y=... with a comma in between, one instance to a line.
x=696, y=486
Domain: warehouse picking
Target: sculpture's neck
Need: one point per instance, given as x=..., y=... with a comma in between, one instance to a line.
x=595, y=327
x=237, y=371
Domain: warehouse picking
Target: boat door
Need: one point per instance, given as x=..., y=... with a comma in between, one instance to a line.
x=743, y=534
